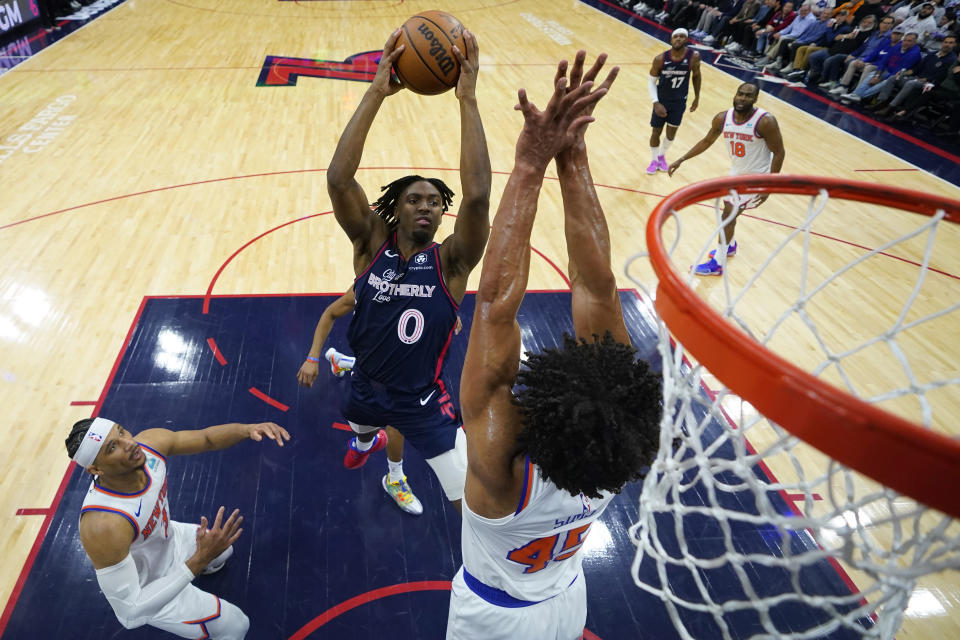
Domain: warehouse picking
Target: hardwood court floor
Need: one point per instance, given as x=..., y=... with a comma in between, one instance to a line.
x=141, y=158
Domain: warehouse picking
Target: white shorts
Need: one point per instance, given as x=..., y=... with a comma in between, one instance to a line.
x=194, y=613
x=559, y=618
x=451, y=468
x=744, y=201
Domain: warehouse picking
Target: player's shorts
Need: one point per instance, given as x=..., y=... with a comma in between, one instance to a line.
x=674, y=115
x=429, y=420
x=473, y=617
x=194, y=613
x=745, y=201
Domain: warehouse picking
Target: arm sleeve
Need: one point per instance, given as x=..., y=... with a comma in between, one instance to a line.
x=652, y=88
x=135, y=605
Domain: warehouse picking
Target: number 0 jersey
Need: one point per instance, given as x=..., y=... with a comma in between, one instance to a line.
x=748, y=151
x=537, y=552
x=148, y=512
x=403, y=320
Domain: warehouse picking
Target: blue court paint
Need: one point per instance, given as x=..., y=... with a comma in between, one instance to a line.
x=317, y=535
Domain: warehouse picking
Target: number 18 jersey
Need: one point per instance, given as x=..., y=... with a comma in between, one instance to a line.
x=403, y=320
x=748, y=151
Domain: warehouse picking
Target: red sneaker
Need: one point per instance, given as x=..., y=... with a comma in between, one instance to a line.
x=356, y=458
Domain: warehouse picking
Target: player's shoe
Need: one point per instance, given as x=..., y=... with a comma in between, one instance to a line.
x=708, y=268
x=731, y=250
x=654, y=166
x=402, y=494
x=334, y=357
x=356, y=458
x=217, y=563
x=662, y=164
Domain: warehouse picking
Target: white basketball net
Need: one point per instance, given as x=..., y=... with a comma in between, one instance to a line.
x=742, y=525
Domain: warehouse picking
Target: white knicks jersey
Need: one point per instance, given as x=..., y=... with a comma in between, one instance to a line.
x=749, y=152
x=535, y=553
x=148, y=513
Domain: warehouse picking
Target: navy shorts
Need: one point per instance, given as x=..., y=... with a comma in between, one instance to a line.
x=674, y=115
x=428, y=420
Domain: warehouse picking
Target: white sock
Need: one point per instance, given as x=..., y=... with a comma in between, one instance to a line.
x=363, y=446
x=665, y=145
x=654, y=153
x=396, y=471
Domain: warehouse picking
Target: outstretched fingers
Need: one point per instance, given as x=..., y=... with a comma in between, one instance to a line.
x=594, y=71
x=576, y=72
x=559, y=93
x=561, y=72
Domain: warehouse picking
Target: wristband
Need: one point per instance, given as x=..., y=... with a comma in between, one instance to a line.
x=312, y=359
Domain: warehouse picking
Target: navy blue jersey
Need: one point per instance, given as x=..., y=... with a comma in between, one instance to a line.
x=403, y=320
x=674, y=80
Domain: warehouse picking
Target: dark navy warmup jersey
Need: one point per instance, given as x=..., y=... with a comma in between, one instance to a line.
x=674, y=80
x=403, y=320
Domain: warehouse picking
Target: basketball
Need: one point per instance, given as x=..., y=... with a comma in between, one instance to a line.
x=427, y=65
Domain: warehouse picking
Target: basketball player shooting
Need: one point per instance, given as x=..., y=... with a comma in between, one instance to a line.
x=408, y=287
x=754, y=143
x=544, y=462
x=145, y=562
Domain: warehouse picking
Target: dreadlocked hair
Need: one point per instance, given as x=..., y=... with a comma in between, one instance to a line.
x=591, y=414
x=386, y=206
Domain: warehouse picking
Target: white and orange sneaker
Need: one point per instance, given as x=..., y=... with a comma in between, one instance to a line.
x=339, y=363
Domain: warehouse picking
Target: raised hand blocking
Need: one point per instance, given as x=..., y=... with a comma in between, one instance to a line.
x=563, y=122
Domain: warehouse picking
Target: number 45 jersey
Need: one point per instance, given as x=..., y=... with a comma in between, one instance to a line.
x=403, y=320
x=537, y=552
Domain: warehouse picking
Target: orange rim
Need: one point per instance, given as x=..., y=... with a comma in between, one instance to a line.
x=904, y=456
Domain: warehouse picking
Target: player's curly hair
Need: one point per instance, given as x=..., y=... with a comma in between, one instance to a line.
x=591, y=414
x=77, y=434
x=386, y=205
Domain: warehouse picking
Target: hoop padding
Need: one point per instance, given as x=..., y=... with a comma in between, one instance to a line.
x=915, y=461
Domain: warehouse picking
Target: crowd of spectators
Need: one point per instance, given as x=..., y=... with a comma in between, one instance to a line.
x=897, y=60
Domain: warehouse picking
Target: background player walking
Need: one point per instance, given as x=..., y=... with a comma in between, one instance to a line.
x=755, y=145
x=669, y=83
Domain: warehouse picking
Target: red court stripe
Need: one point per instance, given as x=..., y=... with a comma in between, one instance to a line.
x=216, y=352
x=216, y=276
x=341, y=426
x=364, y=598
x=270, y=401
x=882, y=170
x=83, y=403
x=34, y=512
x=566, y=280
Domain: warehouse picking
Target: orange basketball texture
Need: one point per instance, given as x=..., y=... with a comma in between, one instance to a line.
x=427, y=65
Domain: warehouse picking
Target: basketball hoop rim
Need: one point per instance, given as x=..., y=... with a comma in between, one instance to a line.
x=907, y=457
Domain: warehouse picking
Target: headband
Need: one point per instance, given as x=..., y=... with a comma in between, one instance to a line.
x=681, y=31
x=92, y=442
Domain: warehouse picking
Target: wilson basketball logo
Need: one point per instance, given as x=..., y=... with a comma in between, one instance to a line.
x=437, y=49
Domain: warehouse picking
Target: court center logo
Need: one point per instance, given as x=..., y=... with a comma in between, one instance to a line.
x=283, y=71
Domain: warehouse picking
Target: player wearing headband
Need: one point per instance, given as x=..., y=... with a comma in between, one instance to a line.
x=144, y=561
x=669, y=83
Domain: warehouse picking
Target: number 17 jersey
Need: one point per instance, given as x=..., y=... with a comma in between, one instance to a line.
x=403, y=320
